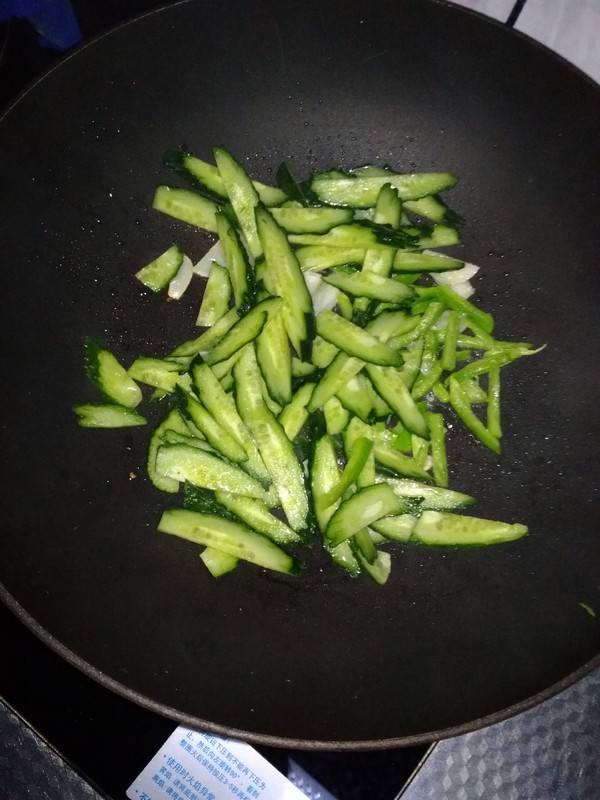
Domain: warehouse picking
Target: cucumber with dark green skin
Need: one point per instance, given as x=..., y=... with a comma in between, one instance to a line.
x=182, y=463
x=207, y=179
x=242, y=195
x=108, y=415
x=453, y=530
x=369, y=284
x=361, y=191
x=360, y=510
x=236, y=260
x=229, y=537
x=285, y=276
x=110, y=377
x=158, y=273
x=244, y=331
x=356, y=341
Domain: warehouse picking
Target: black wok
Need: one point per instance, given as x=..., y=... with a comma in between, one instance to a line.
x=457, y=639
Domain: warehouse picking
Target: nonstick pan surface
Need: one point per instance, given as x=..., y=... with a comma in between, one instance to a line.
x=457, y=638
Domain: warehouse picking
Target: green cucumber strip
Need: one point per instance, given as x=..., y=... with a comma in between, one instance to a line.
x=294, y=415
x=186, y=206
x=360, y=510
x=355, y=341
x=248, y=386
x=217, y=436
x=229, y=537
x=388, y=456
x=379, y=570
x=236, y=259
x=361, y=234
x=209, y=338
x=440, y=236
x=244, y=331
x=388, y=211
x=389, y=384
x=443, y=529
x=424, y=262
x=288, y=282
x=302, y=369
x=342, y=556
x=398, y=527
x=217, y=562
x=156, y=372
x=215, y=300
x=279, y=457
x=242, y=196
x=371, y=285
x=436, y=498
x=345, y=306
x=107, y=375
x=362, y=545
x=191, y=439
x=299, y=219
x=419, y=449
x=336, y=376
x=276, y=450
x=173, y=422
x=158, y=273
x=390, y=323
x=361, y=192
x=275, y=359
x=256, y=514
x=463, y=410
x=316, y=258
x=324, y=475
x=201, y=468
x=206, y=177
x=357, y=459
x=108, y=415
x=323, y=352
x=430, y=207
x=222, y=406
x=355, y=396
x=336, y=416
x=358, y=429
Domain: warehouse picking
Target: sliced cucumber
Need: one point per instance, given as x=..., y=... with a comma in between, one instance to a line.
x=361, y=191
x=443, y=529
x=229, y=537
x=112, y=379
x=183, y=463
x=362, y=509
x=187, y=206
x=285, y=276
x=160, y=272
x=355, y=341
x=107, y=416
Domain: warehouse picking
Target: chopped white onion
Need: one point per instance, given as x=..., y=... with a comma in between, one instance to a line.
x=182, y=279
x=202, y=268
x=323, y=294
x=454, y=276
x=464, y=289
